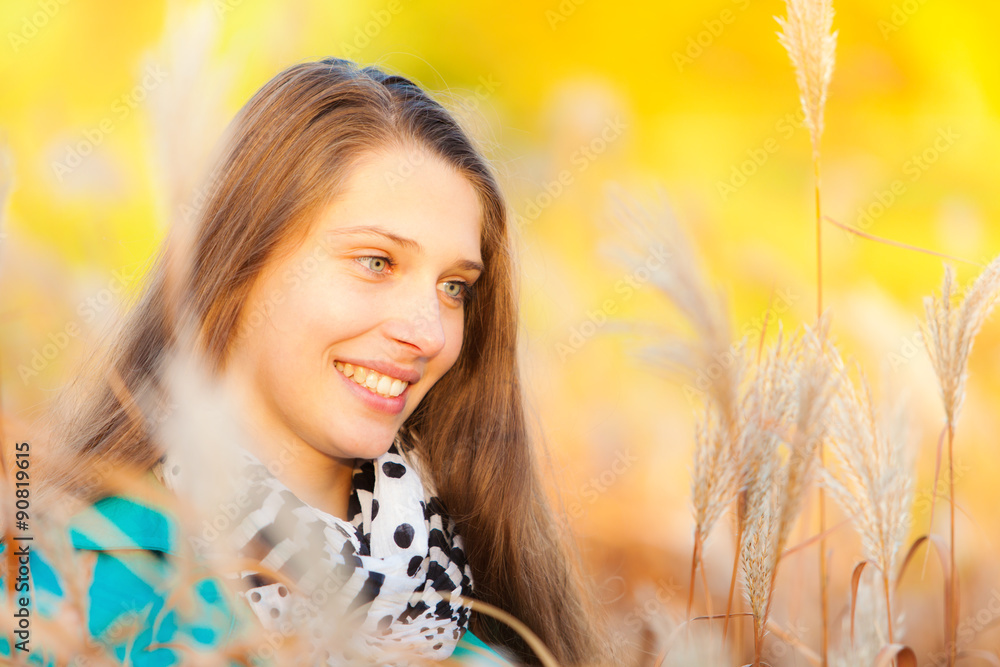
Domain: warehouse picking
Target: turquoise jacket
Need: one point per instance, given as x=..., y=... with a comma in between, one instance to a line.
x=127, y=594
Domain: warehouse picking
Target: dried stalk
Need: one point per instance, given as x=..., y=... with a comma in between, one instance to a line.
x=806, y=33
x=949, y=333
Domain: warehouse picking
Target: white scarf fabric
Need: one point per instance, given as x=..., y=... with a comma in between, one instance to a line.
x=385, y=567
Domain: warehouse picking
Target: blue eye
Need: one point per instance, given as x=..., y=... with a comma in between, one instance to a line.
x=381, y=263
x=465, y=291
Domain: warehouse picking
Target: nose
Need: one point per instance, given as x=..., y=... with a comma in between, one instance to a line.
x=418, y=322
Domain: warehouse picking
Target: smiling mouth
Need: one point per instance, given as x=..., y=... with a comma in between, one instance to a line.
x=375, y=382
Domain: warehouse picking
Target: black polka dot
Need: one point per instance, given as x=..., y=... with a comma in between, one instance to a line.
x=353, y=506
x=282, y=591
x=275, y=613
x=394, y=470
x=176, y=470
x=374, y=508
x=437, y=647
x=255, y=596
x=403, y=535
x=414, y=565
x=364, y=476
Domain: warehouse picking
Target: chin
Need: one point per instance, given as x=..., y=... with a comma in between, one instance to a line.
x=364, y=447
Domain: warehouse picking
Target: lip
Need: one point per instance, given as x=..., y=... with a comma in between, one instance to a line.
x=385, y=368
x=390, y=406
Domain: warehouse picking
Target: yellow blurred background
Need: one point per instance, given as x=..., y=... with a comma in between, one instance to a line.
x=109, y=110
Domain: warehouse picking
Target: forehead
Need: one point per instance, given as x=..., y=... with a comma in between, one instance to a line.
x=411, y=192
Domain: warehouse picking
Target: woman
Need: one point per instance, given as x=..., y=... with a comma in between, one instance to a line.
x=350, y=283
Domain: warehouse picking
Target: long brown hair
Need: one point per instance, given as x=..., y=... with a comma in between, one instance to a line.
x=288, y=149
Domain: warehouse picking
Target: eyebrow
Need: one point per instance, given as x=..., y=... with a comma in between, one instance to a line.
x=411, y=244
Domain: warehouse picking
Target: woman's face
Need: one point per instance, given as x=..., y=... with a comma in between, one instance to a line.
x=375, y=292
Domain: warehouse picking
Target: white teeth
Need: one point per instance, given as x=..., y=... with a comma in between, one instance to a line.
x=375, y=382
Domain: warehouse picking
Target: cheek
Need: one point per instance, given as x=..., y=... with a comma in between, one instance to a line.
x=318, y=315
x=455, y=335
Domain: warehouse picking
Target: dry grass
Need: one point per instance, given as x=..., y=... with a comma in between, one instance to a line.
x=871, y=631
x=720, y=431
x=807, y=34
x=781, y=409
x=950, y=331
x=789, y=398
x=759, y=436
x=873, y=480
x=638, y=229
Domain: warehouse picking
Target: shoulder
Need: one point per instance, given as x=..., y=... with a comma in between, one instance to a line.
x=122, y=558
x=118, y=556
x=123, y=523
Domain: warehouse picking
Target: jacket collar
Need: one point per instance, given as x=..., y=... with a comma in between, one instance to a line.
x=120, y=522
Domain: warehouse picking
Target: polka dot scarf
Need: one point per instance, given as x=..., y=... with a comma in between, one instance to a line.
x=385, y=568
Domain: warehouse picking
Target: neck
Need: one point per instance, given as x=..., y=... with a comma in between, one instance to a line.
x=317, y=479
x=320, y=480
